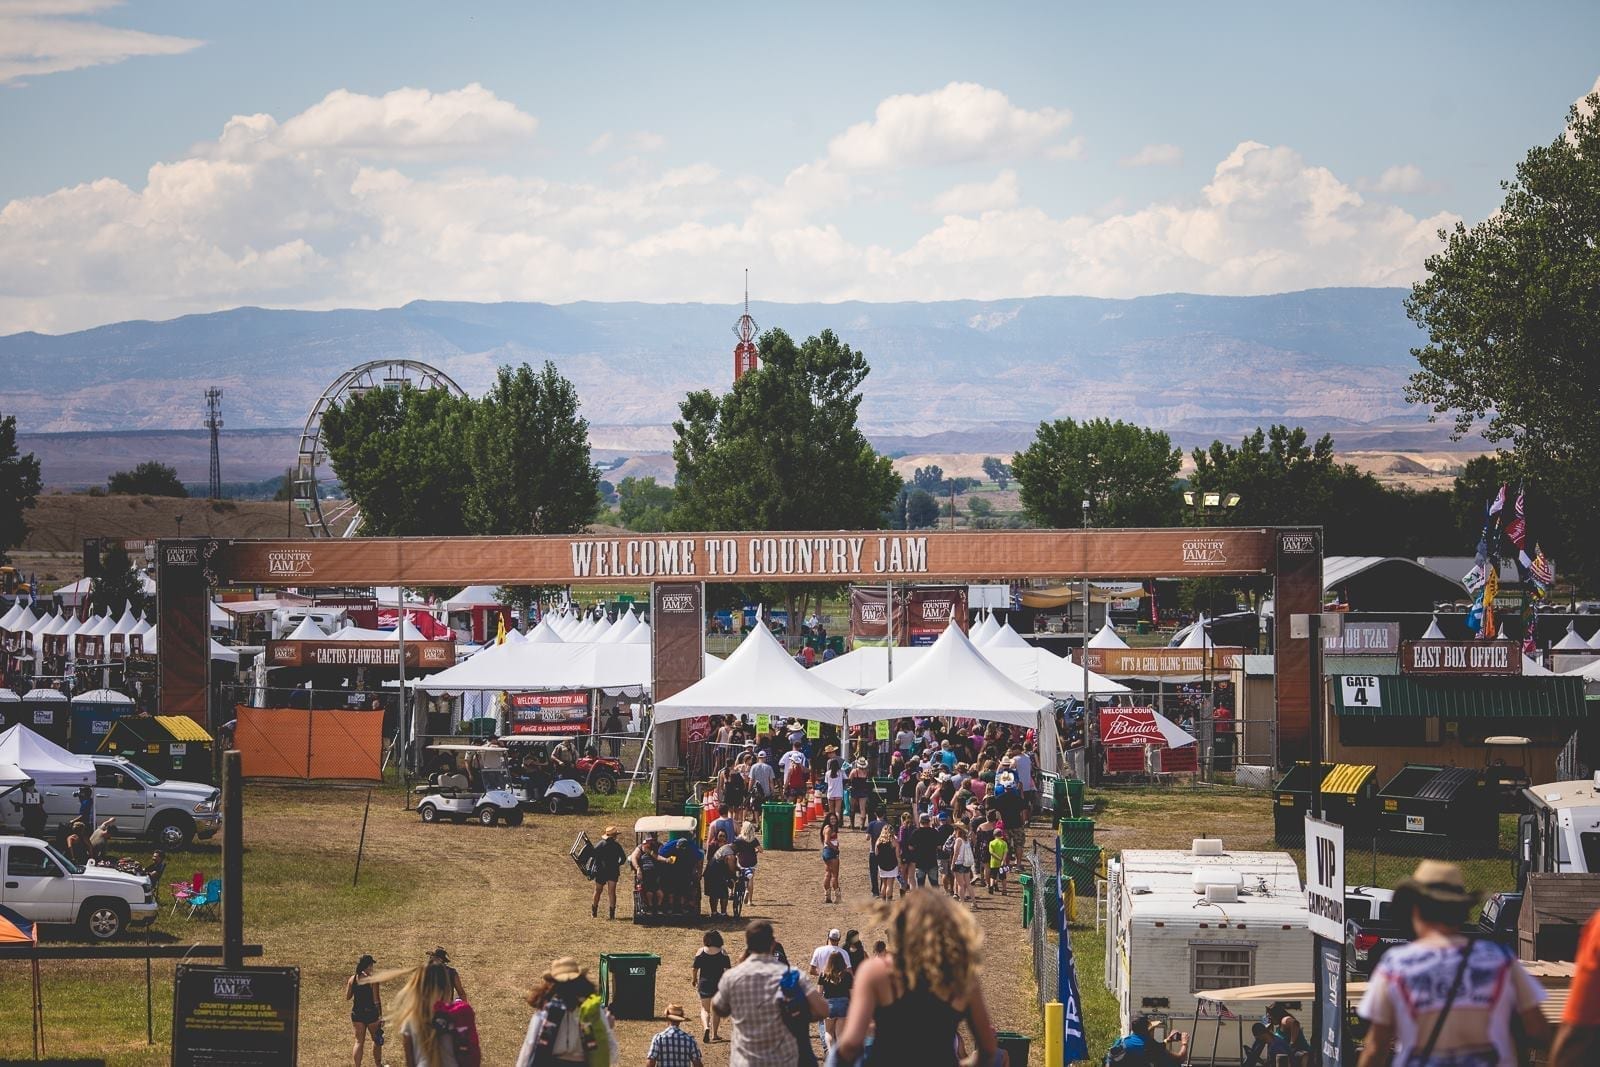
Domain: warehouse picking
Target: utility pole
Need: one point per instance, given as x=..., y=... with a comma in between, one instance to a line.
x=214, y=424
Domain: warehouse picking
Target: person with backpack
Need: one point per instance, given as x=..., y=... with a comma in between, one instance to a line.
x=771, y=1004
x=795, y=773
x=570, y=1024
x=436, y=1030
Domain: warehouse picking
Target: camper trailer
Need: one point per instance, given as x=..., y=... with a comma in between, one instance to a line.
x=1560, y=834
x=1205, y=918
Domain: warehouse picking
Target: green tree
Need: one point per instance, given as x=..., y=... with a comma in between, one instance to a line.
x=19, y=487
x=644, y=506
x=149, y=478
x=118, y=583
x=930, y=478
x=997, y=472
x=1514, y=329
x=285, y=489
x=1125, y=471
x=979, y=507
x=398, y=453
x=922, y=510
x=531, y=468
x=782, y=450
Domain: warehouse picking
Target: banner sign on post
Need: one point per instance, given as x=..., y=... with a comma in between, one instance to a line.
x=813, y=729
x=930, y=610
x=1363, y=639
x=565, y=712
x=1361, y=691
x=1159, y=662
x=419, y=654
x=235, y=1016
x=1325, y=879
x=1331, y=1000
x=763, y=724
x=1461, y=657
x=1075, y=1043
x=883, y=729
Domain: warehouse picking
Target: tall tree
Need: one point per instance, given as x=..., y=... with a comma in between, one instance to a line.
x=922, y=510
x=398, y=453
x=19, y=487
x=930, y=478
x=118, y=584
x=1514, y=328
x=782, y=450
x=1125, y=472
x=997, y=472
x=150, y=478
x=531, y=469
x=643, y=506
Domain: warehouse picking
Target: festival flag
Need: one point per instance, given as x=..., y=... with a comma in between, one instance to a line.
x=1075, y=1042
x=1473, y=580
x=1517, y=529
x=500, y=637
x=1543, y=571
x=1491, y=589
x=1499, y=502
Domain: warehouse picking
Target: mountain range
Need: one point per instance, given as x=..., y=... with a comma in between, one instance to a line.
x=953, y=375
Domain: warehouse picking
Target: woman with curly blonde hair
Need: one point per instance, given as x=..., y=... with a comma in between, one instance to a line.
x=914, y=998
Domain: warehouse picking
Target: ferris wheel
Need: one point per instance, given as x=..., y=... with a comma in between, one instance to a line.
x=342, y=518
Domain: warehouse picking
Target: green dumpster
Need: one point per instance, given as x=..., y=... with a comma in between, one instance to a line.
x=1077, y=833
x=1026, y=881
x=1015, y=1046
x=1081, y=866
x=887, y=789
x=628, y=983
x=777, y=827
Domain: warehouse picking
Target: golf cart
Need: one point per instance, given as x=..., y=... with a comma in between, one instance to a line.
x=1506, y=769
x=539, y=788
x=481, y=792
x=681, y=908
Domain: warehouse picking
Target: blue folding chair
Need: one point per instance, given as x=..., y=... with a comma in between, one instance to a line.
x=206, y=901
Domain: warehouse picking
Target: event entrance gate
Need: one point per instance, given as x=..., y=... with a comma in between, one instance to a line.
x=677, y=567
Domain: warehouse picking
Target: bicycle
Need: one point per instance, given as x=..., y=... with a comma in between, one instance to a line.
x=741, y=889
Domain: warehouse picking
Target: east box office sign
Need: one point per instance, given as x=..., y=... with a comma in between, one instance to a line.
x=235, y=1016
x=862, y=556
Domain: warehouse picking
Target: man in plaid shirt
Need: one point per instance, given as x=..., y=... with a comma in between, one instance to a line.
x=674, y=1046
x=749, y=993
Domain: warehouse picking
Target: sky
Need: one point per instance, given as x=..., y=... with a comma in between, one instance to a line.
x=163, y=158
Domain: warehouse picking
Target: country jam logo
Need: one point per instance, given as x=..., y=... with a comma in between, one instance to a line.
x=232, y=987
x=1204, y=553
x=1299, y=544
x=182, y=556
x=677, y=602
x=937, y=610
x=290, y=563
x=874, y=614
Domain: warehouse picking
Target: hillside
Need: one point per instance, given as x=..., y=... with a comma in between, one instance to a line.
x=990, y=368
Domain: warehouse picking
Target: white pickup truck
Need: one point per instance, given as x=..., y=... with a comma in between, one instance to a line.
x=170, y=813
x=43, y=885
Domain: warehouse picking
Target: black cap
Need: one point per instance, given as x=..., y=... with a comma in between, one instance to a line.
x=1140, y=1024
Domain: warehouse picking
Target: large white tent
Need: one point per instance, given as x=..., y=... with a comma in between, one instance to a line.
x=984, y=632
x=1043, y=671
x=952, y=679
x=473, y=596
x=538, y=665
x=760, y=676
x=625, y=625
x=867, y=667
x=24, y=754
x=1572, y=641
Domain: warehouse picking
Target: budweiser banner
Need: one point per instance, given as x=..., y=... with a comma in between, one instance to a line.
x=1461, y=657
x=420, y=655
x=1363, y=639
x=1159, y=662
x=556, y=713
x=1136, y=726
x=929, y=610
x=862, y=556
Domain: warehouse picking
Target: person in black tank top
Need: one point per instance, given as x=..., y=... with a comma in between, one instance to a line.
x=366, y=1010
x=915, y=999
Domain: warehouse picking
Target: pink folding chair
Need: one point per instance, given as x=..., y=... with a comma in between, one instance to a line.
x=183, y=891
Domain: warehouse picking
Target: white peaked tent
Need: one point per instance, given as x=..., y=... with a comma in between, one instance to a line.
x=639, y=635
x=1532, y=668
x=517, y=637
x=1004, y=637
x=866, y=668
x=127, y=622
x=952, y=678
x=1043, y=671
x=543, y=634
x=9, y=619
x=759, y=677
x=23, y=623
x=1199, y=635
x=1106, y=637
x=24, y=754
x=620, y=629
x=142, y=627
x=220, y=619
x=307, y=630
x=984, y=632
x=1589, y=672
x=1594, y=642
x=602, y=626
x=1433, y=633
x=1571, y=642
x=473, y=596
x=221, y=652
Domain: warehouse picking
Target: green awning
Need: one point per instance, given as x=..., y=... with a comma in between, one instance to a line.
x=1470, y=698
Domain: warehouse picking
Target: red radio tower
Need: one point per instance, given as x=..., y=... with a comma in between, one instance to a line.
x=744, y=353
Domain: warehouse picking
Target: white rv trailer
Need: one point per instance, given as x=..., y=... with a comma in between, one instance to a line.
x=1561, y=832
x=1205, y=918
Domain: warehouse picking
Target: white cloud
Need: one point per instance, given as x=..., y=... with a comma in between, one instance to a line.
x=39, y=37
x=960, y=123
x=978, y=197
x=1402, y=178
x=1154, y=155
x=328, y=208
x=1582, y=103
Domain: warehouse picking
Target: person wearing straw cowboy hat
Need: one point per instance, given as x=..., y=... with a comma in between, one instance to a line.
x=606, y=866
x=570, y=1023
x=674, y=1046
x=1446, y=998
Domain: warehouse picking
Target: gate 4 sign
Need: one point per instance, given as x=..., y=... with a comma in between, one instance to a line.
x=1325, y=879
x=1361, y=691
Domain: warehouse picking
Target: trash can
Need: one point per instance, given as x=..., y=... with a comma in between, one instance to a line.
x=1423, y=809
x=1015, y=1046
x=1291, y=800
x=1074, y=796
x=887, y=789
x=777, y=827
x=1077, y=833
x=692, y=809
x=1052, y=901
x=1081, y=866
x=628, y=983
x=1142, y=627
x=1350, y=798
x=1026, y=882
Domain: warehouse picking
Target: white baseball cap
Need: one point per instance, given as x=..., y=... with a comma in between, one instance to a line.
x=834, y=935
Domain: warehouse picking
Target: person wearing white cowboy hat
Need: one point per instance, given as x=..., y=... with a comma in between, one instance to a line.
x=674, y=1046
x=859, y=786
x=606, y=865
x=1446, y=977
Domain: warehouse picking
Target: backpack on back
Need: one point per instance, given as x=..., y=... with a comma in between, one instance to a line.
x=795, y=777
x=457, y=1023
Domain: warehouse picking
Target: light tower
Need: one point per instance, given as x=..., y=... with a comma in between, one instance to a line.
x=214, y=424
x=744, y=353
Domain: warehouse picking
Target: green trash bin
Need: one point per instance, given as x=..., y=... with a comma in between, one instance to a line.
x=1052, y=902
x=1075, y=796
x=1080, y=866
x=628, y=983
x=777, y=827
x=1026, y=882
x=691, y=808
x=1016, y=1046
x=1077, y=833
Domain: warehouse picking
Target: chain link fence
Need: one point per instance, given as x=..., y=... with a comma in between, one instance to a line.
x=1041, y=869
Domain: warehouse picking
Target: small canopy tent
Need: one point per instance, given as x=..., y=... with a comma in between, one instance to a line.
x=306, y=630
x=759, y=676
x=1106, y=637
x=1571, y=642
x=9, y=619
x=474, y=596
x=25, y=754
x=543, y=634
x=1198, y=636
x=1433, y=633
x=621, y=629
x=984, y=632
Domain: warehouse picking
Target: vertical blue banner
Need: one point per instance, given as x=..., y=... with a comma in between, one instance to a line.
x=1075, y=1046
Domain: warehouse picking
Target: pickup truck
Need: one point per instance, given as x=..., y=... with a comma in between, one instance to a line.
x=1366, y=940
x=170, y=813
x=43, y=885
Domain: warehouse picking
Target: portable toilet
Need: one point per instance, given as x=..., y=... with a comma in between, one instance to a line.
x=92, y=715
x=44, y=711
x=10, y=709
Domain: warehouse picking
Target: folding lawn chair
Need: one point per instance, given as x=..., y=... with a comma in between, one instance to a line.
x=207, y=900
x=183, y=891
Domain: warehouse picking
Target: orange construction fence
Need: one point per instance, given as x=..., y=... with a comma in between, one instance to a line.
x=296, y=743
